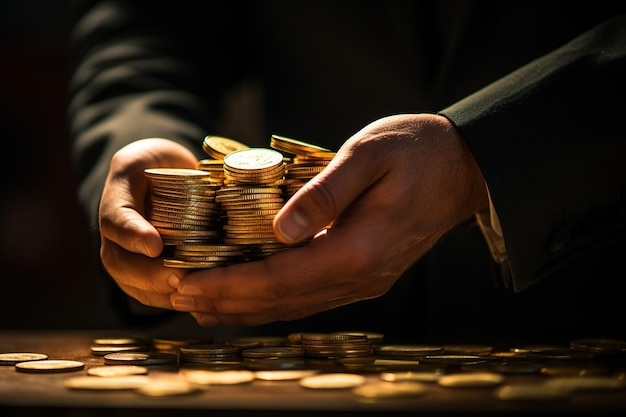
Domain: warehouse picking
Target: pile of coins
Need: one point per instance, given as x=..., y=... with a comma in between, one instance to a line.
x=222, y=212
x=323, y=361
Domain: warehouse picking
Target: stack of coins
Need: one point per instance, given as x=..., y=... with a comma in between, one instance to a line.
x=307, y=161
x=336, y=345
x=250, y=202
x=183, y=207
x=223, y=211
x=213, y=353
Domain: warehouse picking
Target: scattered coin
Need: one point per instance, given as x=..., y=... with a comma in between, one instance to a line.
x=285, y=374
x=601, y=346
x=49, y=366
x=408, y=350
x=471, y=380
x=390, y=389
x=205, y=377
x=332, y=381
x=117, y=370
x=139, y=358
x=112, y=383
x=164, y=387
x=567, y=369
x=530, y=393
x=414, y=376
x=587, y=383
x=12, y=358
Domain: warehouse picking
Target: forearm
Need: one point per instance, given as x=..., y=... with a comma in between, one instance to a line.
x=549, y=141
x=133, y=79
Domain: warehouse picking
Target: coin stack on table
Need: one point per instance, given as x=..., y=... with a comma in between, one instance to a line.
x=222, y=212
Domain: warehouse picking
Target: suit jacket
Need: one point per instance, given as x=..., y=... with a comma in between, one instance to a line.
x=535, y=88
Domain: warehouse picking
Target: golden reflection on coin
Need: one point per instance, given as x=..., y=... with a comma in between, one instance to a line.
x=112, y=383
x=285, y=375
x=49, y=366
x=390, y=389
x=253, y=159
x=117, y=370
x=332, y=381
x=206, y=377
x=530, y=393
x=471, y=380
x=11, y=358
x=586, y=383
x=218, y=146
x=415, y=376
x=168, y=386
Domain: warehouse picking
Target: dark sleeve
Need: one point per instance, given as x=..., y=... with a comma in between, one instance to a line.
x=143, y=69
x=551, y=144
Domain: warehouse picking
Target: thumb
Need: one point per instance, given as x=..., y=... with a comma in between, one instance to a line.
x=321, y=200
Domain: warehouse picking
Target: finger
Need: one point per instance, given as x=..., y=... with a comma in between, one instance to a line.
x=125, y=195
x=325, y=270
x=254, y=319
x=143, y=278
x=322, y=199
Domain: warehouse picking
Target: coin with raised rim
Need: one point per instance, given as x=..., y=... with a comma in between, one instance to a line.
x=390, y=389
x=471, y=380
x=108, y=371
x=49, y=366
x=12, y=358
x=332, y=381
x=205, y=377
x=112, y=383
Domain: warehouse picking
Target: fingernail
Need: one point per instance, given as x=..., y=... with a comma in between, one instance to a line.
x=208, y=321
x=292, y=226
x=183, y=302
x=189, y=290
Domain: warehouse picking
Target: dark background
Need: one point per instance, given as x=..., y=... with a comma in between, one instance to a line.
x=47, y=268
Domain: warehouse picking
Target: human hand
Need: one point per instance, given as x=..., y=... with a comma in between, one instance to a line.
x=130, y=243
x=391, y=192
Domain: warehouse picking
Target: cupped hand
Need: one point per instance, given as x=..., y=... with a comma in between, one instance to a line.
x=129, y=243
x=392, y=191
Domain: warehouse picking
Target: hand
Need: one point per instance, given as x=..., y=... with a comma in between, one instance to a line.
x=129, y=242
x=391, y=192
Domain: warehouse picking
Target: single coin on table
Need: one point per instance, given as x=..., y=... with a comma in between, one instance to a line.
x=11, y=358
x=332, y=381
x=50, y=366
x=117, y=370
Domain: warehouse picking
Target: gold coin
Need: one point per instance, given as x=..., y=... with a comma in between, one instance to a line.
x=13, y=358
x=527, y=392
x=471, y=380
x=182, y=173
x=167, y=386
x=332, y=381
x=218, y=146
x=285, y=374
x=390, y=389
x=112, y=383
x=49, y=366
x=117, y=370
x=587, y=383
x=205, y=377
x=415, y=376
x=294, y=146
x=253, y=159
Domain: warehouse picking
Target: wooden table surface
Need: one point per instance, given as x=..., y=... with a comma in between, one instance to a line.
x=24, y=393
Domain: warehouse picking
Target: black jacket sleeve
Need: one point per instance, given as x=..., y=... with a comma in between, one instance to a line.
x=550, y=141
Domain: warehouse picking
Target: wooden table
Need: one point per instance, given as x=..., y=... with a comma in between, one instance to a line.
x=33, y=393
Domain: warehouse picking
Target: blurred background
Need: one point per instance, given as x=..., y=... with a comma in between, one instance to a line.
x=48, y=272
